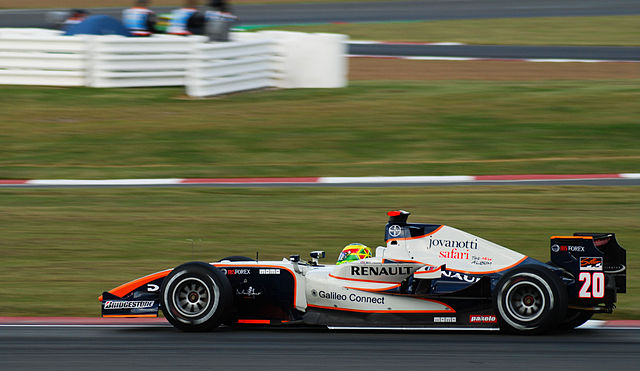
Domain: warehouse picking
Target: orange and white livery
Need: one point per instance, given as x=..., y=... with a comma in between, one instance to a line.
x=426, y=276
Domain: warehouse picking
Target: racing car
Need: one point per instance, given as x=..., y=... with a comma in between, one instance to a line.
x=428, y=276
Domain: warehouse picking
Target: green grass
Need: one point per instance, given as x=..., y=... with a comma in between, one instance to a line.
x=61, y=248
x=600, y=30
x=369, y=128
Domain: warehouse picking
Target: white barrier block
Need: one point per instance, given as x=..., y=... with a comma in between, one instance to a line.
x=231, y=67
x=222, y=68
x=112, y=44
x=57, y=44
x=42, y=61
x=104, y=79
x=28, y=32
x=251, y=61
x=135, y=64
x=232, y=50
x=331, y=63
x=42, y=57
x=311, y=60
x=34, y=77
x=249, y=81
x=246, y=36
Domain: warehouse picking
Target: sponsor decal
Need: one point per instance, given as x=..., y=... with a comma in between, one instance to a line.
x=482, y=318
x=592, y=285
x=123, y=304
x=352, y=297
x=590, y=263
x=481, y=260
x=395, y=230
x=379, y=271
x=569, y=248
x=152, y=288
x=332, y=295
x=460, y=276
x=455, y=254
x=575, y=248
x=231, y=272
x=444, y=319
x=435, y=242
x=269, y=271
x=250, y=292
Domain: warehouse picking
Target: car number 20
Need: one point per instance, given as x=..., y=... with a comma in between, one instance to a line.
x=593, y=285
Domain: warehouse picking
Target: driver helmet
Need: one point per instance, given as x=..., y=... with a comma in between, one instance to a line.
x=353, y=252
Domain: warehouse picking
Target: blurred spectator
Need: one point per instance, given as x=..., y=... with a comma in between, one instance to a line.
x=187, y=20
x=220, y=6
x=56, y=19
x=139, y=19
x=75, y=16
x=218, y=19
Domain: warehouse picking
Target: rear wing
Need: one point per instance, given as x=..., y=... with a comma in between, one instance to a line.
x=591, y=252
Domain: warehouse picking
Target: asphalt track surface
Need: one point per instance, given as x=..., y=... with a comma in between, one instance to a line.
x=164, y=348
x=610, y=53
x=273, y=14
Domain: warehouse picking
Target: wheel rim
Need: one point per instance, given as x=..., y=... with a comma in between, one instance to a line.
x=192, y=297
x=525, y=301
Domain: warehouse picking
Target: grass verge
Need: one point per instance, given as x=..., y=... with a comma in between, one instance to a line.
x=369, y=128
x=600, y=30
x=61, y=248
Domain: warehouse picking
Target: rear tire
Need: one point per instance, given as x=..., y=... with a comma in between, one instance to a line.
x=574, y=318
x=196, y=296
x=530, y=300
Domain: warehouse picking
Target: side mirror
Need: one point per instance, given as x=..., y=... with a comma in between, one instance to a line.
x=316, y=256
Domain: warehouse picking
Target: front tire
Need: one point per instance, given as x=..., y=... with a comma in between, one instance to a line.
x=196, y=296
x=530, y=300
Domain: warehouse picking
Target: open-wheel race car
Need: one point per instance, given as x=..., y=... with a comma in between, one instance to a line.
x=428, y=276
